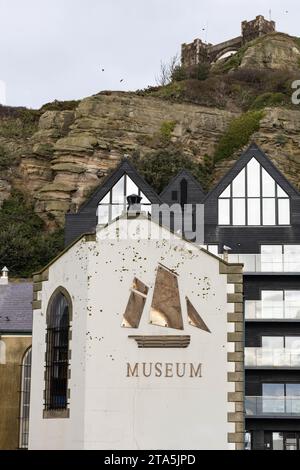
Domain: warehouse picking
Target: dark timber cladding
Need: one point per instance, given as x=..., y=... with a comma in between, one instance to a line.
x=177, y=191
x=247, y=239
x=272, y=422
x=265, y=428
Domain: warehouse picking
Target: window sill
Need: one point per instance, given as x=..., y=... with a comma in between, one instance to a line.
x=56, y=414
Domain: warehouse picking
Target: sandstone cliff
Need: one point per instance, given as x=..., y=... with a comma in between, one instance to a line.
x=64, y=154
x=276, y=51
x=72, y=151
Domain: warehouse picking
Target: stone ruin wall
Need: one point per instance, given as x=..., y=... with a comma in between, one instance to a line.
x=198, y=52
x=257, y=28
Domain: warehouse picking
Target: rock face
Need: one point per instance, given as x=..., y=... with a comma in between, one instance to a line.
x=72, y=151
x=16, y=148
x=275, y=51
x=279, y=137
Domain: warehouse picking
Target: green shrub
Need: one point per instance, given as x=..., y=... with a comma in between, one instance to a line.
x=238, y=134
x=25, y=246
x=160, y=166
x=195, y=72
x=171, y=92
x=268, y=99
x=201, y=72
x=179, y=74
x=4, y=159
x=166, y=130
x=7, y=159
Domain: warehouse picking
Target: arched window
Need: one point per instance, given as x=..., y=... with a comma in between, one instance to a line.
x=57, y=353
x=254, y=199
x=25, y=399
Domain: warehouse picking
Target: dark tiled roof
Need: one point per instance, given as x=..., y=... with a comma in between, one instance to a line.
x=16, y=307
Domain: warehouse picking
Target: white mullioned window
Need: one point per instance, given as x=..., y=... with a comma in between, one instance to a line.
x=115, y=203
x=254, y=198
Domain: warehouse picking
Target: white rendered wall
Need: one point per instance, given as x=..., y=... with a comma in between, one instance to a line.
x=70, y=271
x=109, y=410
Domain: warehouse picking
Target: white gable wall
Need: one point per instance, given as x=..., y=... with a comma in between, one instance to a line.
x=70, y=272
x=109, y=410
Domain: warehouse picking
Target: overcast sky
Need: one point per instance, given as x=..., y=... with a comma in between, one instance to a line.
x=55, y=49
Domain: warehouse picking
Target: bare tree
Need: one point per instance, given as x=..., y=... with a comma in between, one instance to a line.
x=167, y=70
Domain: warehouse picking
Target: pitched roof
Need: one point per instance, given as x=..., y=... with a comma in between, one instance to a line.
x=196, y=187
x=253, y=151
x=16, y=307
x=125, y=167
x=92, y=236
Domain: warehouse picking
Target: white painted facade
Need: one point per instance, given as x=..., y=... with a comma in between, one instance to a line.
x=109, y=410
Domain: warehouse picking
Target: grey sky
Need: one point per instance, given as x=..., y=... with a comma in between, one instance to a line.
x=55, y=49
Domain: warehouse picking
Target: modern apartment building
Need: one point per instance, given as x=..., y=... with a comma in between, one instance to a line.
x=252, y=216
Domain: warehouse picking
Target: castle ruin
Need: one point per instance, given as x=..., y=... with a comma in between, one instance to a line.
x=199, y=52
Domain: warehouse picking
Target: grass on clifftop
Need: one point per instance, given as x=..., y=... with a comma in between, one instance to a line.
x=23, y=122
x=56, y=105
x=266, y=100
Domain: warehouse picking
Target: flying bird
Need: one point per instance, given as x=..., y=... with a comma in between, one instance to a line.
x=122, y=80
x=102, y=70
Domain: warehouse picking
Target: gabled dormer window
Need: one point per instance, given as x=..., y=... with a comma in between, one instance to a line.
x=254, y=198
x=115, y=203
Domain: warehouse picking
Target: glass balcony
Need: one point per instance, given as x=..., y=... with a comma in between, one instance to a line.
x=267, y=262
x=272, y=406
x=261, y=357
x=272, y=310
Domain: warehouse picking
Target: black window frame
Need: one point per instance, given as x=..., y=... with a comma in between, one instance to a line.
x=261, y=198
x=57, y=365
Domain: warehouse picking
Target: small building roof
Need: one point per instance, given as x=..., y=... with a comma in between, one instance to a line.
x=16, y=307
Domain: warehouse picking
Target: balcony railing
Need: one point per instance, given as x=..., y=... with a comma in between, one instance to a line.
x=261, y=357
x=272, y=310
x=267, y=263
x=272, y=406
